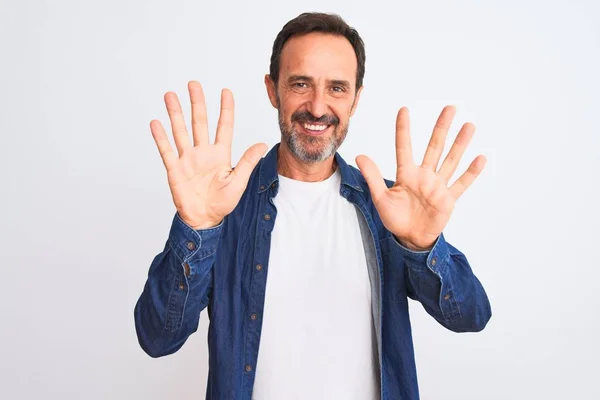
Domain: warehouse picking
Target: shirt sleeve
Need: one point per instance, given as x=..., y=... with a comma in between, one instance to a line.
x=177, y=289
x=443, y=281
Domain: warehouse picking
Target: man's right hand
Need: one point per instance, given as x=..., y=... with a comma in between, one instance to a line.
x=203, y=184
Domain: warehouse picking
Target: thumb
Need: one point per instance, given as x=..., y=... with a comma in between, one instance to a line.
x=246, y=165
x=372, y=175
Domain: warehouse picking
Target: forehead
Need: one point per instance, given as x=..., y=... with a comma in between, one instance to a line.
x=320, y=56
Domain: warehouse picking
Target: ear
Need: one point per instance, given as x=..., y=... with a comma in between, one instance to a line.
x=356, y=99
x=271, y=90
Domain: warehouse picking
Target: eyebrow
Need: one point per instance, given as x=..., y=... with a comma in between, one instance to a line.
x=337, y=82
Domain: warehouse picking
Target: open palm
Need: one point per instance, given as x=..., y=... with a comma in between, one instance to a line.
x=417, y=208
x=204, y=186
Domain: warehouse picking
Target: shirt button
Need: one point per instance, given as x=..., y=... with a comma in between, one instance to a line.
x=434, y=261
x=248, y=368
x=181, y=286
x=267, y=217
x=262, y=187
x=191, y=245
x=446, y=297
x=258, y=267
x=253, y=317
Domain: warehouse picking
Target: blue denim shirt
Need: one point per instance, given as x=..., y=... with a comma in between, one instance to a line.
x=225, y=268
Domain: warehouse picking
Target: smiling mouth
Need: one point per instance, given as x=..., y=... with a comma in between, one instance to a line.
x=313, y=129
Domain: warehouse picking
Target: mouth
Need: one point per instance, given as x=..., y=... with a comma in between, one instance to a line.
x=313, y=129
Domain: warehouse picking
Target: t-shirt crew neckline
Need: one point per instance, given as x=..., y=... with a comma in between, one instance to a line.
x=312, y=187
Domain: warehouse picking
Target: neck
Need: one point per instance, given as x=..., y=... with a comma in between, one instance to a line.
x=290, y=167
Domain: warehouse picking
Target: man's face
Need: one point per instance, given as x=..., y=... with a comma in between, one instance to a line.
x=316, y=94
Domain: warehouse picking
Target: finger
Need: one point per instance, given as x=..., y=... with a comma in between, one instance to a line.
x=372, y=175
x=182, y=140
x=225, y=125
x=438, y=138
x=468, y=177
x=403, y=143
x=456, y=152
x=199, y=119
x=246, y=165
x=162, y=142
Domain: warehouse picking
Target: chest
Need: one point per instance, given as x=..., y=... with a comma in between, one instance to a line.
x=317, y=248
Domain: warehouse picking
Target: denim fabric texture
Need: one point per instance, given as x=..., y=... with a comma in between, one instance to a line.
x=225, y=269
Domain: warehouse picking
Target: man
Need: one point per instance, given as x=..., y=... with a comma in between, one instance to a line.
x=343, y=248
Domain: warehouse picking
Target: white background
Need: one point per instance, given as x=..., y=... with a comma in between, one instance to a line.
x=85, y=202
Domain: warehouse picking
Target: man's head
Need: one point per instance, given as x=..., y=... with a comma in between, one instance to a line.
x=315, y=81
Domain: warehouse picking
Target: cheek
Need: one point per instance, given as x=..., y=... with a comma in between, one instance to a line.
x=288, y=108
x=342, y=107
x=292, y=105
x=342, y=113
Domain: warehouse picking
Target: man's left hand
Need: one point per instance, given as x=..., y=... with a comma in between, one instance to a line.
x=418, y=206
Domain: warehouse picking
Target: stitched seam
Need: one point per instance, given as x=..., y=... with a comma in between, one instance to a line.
x=187, y=293
x=457, y=314
x=410, y=273
x=168, y=310
x=209, y=253
x=175, y=252
x=357, y=186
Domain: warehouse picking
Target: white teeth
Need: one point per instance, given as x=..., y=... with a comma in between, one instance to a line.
x=315, y=127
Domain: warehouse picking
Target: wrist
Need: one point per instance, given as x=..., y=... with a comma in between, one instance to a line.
x=199, y=223
x=413, y=247
x=205, y=225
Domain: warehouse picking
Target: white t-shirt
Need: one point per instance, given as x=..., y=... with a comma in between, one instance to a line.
x=317, y=339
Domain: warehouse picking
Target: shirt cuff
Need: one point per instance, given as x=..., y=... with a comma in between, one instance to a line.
x=188, y=242
x=433, y=259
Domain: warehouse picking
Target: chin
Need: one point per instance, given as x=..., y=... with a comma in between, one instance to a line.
x=311, y=149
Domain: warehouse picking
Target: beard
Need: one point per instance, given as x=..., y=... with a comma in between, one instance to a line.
x=312, y=149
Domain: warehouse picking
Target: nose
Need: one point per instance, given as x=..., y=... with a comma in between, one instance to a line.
x=317, y=105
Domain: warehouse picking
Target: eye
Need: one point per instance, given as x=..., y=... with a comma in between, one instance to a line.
x=300, y=85
x=338, y=89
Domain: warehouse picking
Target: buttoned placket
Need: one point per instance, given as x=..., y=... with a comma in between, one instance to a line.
x=264, y=227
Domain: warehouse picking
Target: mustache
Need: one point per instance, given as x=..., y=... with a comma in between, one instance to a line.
x=305, y=116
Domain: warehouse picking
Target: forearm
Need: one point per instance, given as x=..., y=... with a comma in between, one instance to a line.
x=178, y=288
x=442, y=280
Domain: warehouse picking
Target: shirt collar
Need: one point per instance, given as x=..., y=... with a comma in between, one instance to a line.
x=268, y=175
